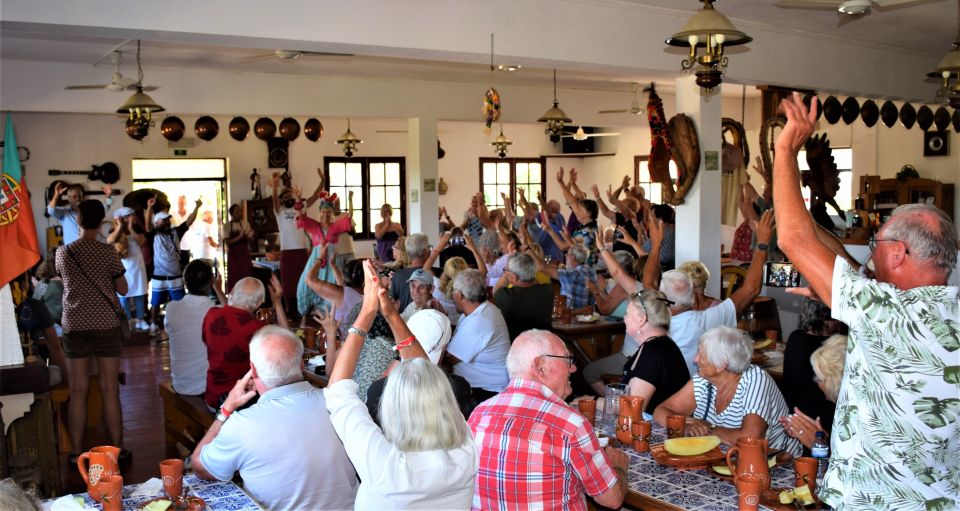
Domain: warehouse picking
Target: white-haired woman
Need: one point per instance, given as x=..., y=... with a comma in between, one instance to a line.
x=699, y=275
x=730, y=397
x=424, y=456
x=827, y=362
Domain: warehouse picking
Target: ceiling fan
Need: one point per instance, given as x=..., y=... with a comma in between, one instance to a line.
x=851, y=9
x=581, y=135
x=289, y=56
x=118, y=83
x=635, y=107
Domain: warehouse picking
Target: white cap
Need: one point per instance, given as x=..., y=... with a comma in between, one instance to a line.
x=123, y=212
x=432, y=330
x=160, y=216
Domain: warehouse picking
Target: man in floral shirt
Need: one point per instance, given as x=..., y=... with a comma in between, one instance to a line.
x=895, y=437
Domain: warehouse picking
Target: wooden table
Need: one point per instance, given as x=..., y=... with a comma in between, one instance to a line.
x=591, y=341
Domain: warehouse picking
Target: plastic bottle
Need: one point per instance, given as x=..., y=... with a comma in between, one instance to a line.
x=820, y=450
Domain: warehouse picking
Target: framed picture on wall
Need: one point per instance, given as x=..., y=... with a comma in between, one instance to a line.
x=260, y=216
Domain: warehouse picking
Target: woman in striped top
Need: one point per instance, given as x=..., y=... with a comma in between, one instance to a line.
x=730, y=397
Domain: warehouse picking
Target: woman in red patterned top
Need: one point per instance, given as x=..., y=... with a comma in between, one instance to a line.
x=743, y=236
x=92, y=275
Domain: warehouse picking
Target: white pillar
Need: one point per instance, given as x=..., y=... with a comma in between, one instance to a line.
x=422, y=197
x=698, y=218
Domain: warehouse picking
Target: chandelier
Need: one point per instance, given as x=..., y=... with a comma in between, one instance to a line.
x=949, y=71
x=554, y=117
x=501, y=143
x=140, y=106
x=710, y=31
x=349, y=141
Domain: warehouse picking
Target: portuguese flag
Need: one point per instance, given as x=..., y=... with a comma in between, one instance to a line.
x=18, y=234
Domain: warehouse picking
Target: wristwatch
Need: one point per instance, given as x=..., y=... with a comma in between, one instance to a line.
x=762, y=246
x=222, y=417
x=357, y=331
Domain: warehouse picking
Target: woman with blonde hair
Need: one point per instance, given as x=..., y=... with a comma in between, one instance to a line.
x=827, y=362
x=400, y=257
x=699, y=275
x=424, y=456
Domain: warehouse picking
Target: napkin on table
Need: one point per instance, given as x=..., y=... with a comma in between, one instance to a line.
x=149, y=488
x=67, y=503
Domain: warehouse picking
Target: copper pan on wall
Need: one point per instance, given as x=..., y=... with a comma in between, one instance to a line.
x=832, y=110
x=206, y=128
x=924, y=117
x=908, y=115
x=264, y=128
x=313, y=129
x=851, y=110
x=239, y=128
x=172, y=128
x=888, y=114
x=941, y=118
x=289, y=129
x=869, y=113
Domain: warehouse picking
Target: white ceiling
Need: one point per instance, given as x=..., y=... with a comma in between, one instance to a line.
x=924, y=27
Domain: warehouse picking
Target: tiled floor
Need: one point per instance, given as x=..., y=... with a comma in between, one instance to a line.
x=145, y=366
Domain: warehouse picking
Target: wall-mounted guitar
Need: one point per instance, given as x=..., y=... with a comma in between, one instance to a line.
x=108, y=173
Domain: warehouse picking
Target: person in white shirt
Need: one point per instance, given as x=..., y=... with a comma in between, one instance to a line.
x=478, y=350
x=202, y=238
x=67, y=215
x=184, y=325
x=294, y=244
x=424, y=456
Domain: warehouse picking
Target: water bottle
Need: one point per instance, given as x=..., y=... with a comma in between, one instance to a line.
x=820, y=450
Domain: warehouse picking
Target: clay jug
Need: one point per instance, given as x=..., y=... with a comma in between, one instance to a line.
x=632, y=406
x=751, y=459
x=95, y=464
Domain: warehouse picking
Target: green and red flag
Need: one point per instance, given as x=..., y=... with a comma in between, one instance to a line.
x=18, y=234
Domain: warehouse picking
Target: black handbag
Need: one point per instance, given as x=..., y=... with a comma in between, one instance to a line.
x=121, y=314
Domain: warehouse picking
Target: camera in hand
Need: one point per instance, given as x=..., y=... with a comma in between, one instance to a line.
x=456, y=237
x=781, y=275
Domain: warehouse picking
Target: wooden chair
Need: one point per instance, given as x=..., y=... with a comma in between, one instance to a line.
x=731, y=278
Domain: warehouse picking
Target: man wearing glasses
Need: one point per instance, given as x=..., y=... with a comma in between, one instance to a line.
x=534, y=450
x=897, y=438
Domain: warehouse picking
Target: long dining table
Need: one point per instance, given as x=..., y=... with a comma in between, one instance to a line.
x=217, y=496
x=589, y=341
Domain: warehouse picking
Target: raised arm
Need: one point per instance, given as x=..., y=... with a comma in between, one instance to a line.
x=607, y=212
x=435, y=253
x=148, y=214
x=754, y=280
x=193, y=214
x=481, y=264
x=569, y=196
x=330, y=292
x=217, y=285
x=57, y=192
x=483, y=214
x=542, y=266
x=275, y=184
x=558, y=240
x=407, y=344
x=651, y=269
x=617, y=273
x=276, y=296
x=797, y=236
x=316, y=193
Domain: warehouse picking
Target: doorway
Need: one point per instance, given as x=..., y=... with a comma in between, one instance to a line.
x=184, y=181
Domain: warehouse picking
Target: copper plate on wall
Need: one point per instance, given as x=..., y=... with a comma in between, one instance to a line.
x=264, y=128
x=941, y=118
x=908, y=115
x=924, y=117
x=172, y=128
x=888, y=114
x=239, y=128
x=313, y=129
x=206, y=128
x=869, y=113
x=832, y=110
x=289, y=129
x=851, y=110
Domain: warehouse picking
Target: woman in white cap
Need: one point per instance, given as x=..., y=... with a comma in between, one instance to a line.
x=126, y=237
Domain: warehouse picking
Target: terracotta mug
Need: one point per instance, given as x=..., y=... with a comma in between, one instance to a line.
x=171, y=471
x=751, y=459
x=676, y=426
x=95, y=464
x=641, y=435
x=631, y=406
x=749, y=488
x=588, y=408
x=111, y=492
x=805, y=472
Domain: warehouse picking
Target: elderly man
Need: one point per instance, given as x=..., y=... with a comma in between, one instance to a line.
x=479, y=347
x=549, y=220
x=491, y=249
x=534, y=450
x=573, y=279
x=525, y=304
x=67, y=215
x=184, y=325
x=418, y=248
x=227, y=331
x=264, y=441
x=895, y=434
x=421, y=294
x=166, y=283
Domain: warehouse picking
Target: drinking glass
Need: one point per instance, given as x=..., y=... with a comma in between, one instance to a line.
x=611, y=406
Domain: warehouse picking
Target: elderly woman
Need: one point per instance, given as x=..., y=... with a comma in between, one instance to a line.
x=699, y=275
x=401, y=259
x=423, y=455
x=387, y=233
x=730, y=397
x=827, y=362
x=657, y=371
x=799, y=389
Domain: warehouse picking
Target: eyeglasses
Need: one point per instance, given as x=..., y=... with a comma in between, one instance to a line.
x=872, y=244
x=568, y=358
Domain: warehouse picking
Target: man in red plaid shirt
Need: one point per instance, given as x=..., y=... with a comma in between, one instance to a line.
x=537, y=452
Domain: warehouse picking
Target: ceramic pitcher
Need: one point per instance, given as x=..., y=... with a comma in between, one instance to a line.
x=96, y=463
x=751, y=459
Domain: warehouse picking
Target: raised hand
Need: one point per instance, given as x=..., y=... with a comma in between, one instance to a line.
x=198, y=203
x=371, y=286
x=276, y=291
x=151, y=202
x=540, y=198
x=107, y=190
x=626, y=182
x=242, y=392
x=766, y=226
x=801, y=122
x=655, y=229
x=596, y=191
x=444, y=239
x=60, y=188
x=560, y=175
x=573, y=176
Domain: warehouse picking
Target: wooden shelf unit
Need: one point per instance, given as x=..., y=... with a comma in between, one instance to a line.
x=887, y=194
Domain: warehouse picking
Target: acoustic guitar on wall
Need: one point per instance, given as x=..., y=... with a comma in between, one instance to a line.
x=109, y=173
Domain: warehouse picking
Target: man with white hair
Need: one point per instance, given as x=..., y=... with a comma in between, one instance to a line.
x=418, y=248
x=687, y=324
x=421, y=294
x=895, y=430
x=478, y=350
x=227, y=331
x=534, y=450
x=263, y=441
x=573, y=279
x=525, y=304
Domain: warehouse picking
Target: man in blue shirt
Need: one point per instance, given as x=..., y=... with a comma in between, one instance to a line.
x=67, y=215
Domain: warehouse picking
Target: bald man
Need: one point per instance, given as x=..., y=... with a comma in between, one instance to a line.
x=568, y=462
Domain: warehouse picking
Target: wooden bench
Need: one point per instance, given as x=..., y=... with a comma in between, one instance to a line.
x=185, y=421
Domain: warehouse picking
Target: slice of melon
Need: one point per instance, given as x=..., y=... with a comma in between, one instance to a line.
x=691, y=446
x=759, y=345
x=787, y=497
x=802, y=492
x=724, y=470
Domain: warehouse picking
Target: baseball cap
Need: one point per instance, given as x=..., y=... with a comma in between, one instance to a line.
x=432, y=330
x=160, y=216
x=123, y=212
x=422, y=277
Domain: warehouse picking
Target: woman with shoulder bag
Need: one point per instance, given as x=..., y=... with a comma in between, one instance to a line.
x=92, y=275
